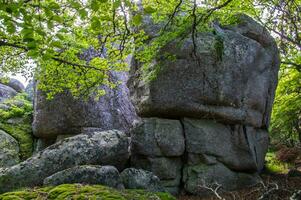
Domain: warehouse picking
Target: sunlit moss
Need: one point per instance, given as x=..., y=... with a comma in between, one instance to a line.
x=77, y=191
x=273, y=165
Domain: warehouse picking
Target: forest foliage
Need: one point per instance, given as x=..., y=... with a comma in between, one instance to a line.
x=54, y=40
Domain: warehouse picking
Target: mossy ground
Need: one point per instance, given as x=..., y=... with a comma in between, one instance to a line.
x=15, y=119
x=81, y=192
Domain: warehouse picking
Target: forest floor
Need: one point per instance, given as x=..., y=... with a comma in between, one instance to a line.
x=274, y=187
x=278, y=183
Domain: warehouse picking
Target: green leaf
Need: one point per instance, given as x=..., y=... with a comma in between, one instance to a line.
x=83, y=13
x=11, y=27
x=57, y=44
x=60, y=36
x=54, y=5
x=50, y=24
x=33, y=53
x=149, y=10
x=94, y=5
x=137, y=19
x=95, y=24
x=58, y=19
x=32, y=45
x=116, y=4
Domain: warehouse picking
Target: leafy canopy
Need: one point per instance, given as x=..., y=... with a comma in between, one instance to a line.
x=75, y=44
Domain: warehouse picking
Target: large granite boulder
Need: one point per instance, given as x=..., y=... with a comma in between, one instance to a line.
x=230, y=77
x=6, y=92
x=9, y=150
x=86, y=174
x=67, y=115
x=220, y=88
x=98, y=148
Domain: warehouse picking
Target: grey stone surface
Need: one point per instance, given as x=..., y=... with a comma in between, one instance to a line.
x=158, y=137
x=98, y=148
x=6, y=92
x=239, y=147
x=196, y=176
x=86, y=174
x=9, y=150
x=164, y=167
x=67, y=115
x=140, y=179
x=15, y=84
x=30, y=90
x=231, y=77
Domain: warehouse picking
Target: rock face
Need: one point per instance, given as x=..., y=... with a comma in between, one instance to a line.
x=219, y=96
x=9, y=150
x=87, y=174
x=157, y=145
x=239, y=147
x=66, y=115
x=231, y=78
x=158, y=137
x=140, y=179
x=98, y=148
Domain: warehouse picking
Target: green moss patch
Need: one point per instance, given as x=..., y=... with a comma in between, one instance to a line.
x=77, y=191
x=273, y=165
x=15, y=119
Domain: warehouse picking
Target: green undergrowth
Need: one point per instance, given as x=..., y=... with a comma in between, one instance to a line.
x=83, y=192
x=15, y=119
x=273, y=165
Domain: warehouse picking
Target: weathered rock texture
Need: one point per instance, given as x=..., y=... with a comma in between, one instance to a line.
x=6, y=92
x=9, y=150
x=66, y=115
x=229, y=155
x=140, y=179
x=15, y=84
x=98, y=148
x=86, y=174
x=232, y=78
x=157, y=146
x=219, y=93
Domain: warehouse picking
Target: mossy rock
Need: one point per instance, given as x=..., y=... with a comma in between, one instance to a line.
x=16, y=119
x=77, y=191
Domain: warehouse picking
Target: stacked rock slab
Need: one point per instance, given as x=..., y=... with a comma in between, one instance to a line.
x=158, y=146
x=222, y=92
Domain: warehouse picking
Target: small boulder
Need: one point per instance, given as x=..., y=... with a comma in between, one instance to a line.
x=98, y=148
x=15, y=84
x=86, y=174
x=198, y=176
x=6, y=92
x=140, y=179
x=9, y=150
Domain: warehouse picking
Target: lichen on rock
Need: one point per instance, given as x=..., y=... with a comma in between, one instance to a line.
x=15, y=119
